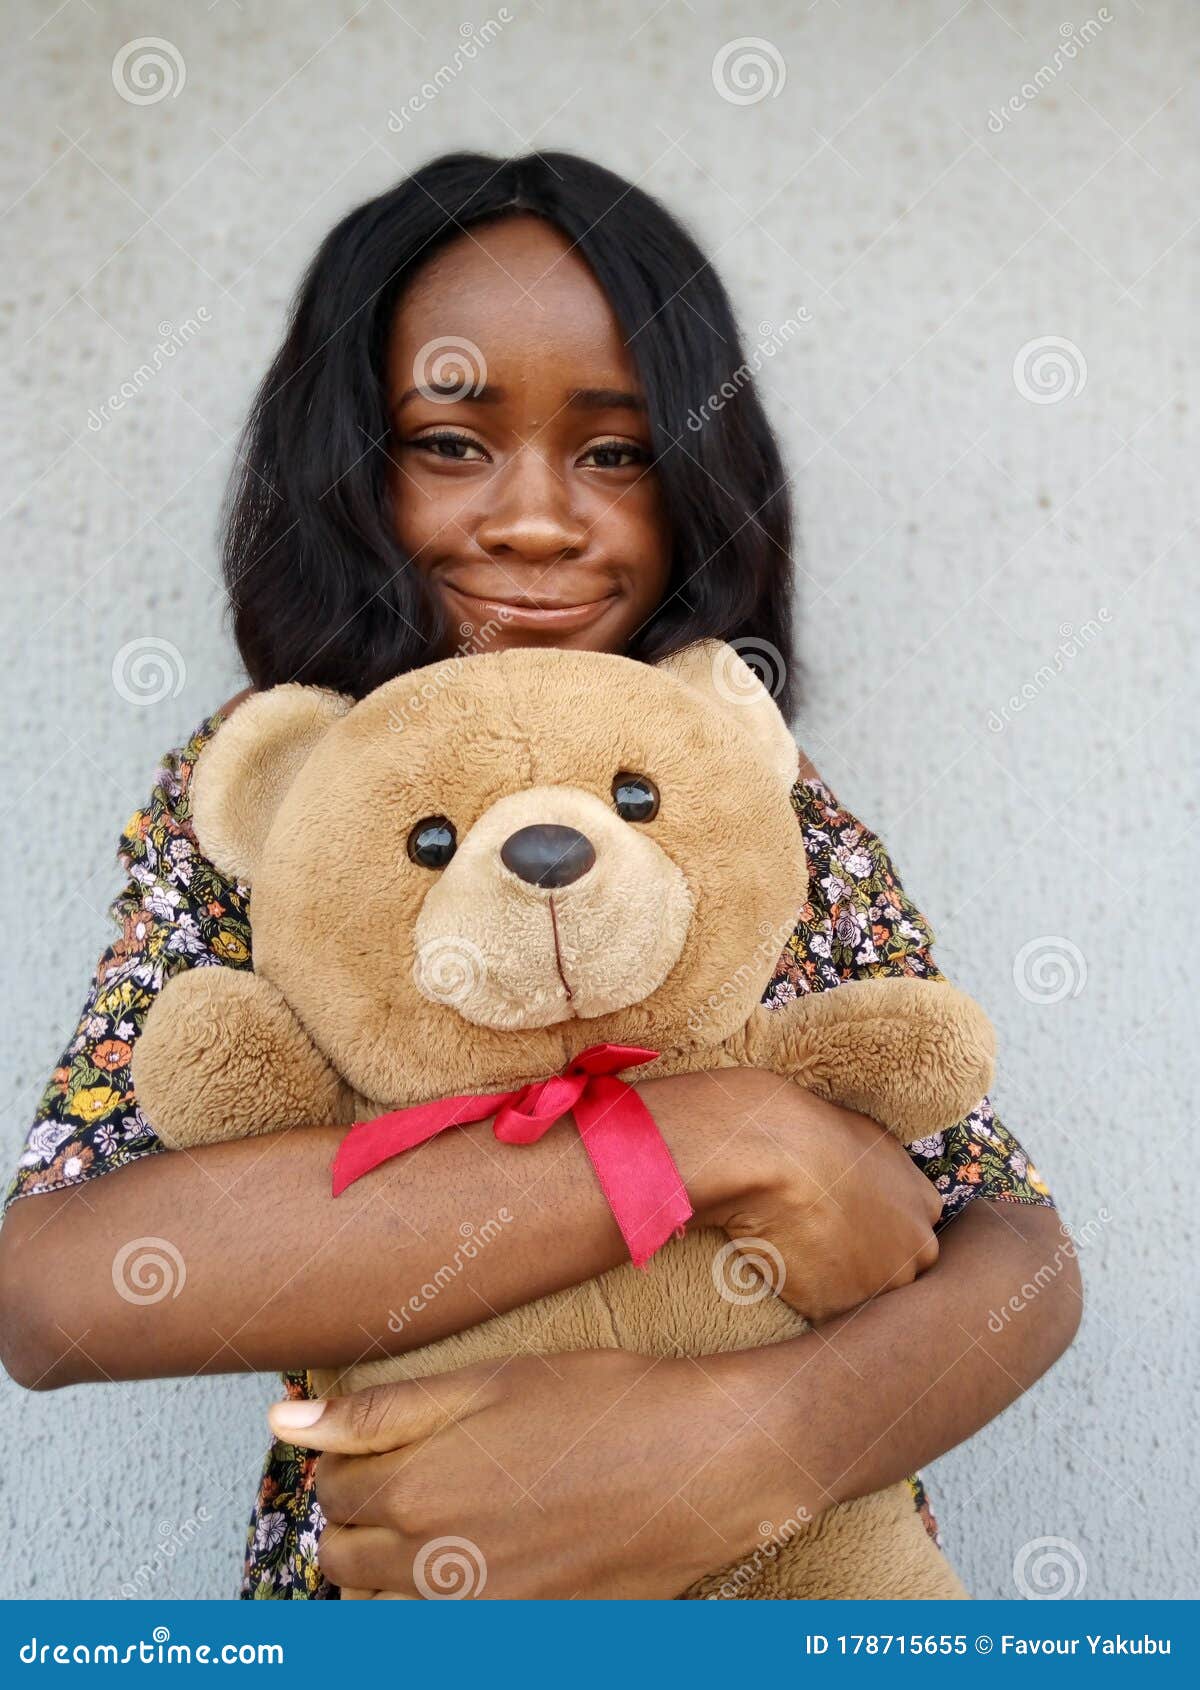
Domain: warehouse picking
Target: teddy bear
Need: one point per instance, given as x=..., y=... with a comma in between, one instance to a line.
x=489, y=866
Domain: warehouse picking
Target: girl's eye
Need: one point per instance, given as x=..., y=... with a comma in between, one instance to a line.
x=636, y=797
x=453, y=447
x=617, y=454
x=433, y=842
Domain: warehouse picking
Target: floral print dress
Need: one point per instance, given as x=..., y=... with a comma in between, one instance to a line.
x=178, y=911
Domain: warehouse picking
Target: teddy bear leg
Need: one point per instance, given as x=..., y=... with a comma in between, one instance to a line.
x=222, y=1056
x=915, y=1055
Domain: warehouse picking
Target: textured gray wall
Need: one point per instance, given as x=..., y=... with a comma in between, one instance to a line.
x=980, y=523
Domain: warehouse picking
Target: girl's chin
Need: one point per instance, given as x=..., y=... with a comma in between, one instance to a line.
x=476, y=644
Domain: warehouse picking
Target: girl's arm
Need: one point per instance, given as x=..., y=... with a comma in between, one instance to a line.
x=236, y=1257
x=722, y=1443
x=972, y=1344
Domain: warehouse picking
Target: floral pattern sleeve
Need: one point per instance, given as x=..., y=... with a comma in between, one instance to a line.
x=175, y=911
x=858, y=924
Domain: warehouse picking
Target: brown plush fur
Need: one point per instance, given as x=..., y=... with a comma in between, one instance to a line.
x=378, y=983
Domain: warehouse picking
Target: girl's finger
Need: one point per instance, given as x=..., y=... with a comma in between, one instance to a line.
x=366, y=1559
x=362, y=1490
x=378, y=1418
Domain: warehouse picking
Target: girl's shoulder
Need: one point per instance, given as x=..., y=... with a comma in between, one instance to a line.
x=169, y=798
x=832, y=833
x=231, y=704
x=858, y=921
x=176, y=910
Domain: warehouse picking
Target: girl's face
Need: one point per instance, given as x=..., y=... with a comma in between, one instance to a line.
x=522, y=482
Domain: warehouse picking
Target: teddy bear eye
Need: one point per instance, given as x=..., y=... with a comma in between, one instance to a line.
x=432, y=842
x=635, y=796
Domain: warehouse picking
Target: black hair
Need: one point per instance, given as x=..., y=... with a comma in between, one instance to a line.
x=320, y=589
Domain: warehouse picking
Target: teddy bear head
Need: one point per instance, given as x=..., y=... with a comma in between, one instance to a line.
x=488, y=864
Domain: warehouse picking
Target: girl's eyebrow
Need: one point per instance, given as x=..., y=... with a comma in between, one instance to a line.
x=450, y=389
x=605, y=399
x=579, y=398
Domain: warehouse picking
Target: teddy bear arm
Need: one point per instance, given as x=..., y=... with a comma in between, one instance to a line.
x=915, y=1055
x=222, y=1056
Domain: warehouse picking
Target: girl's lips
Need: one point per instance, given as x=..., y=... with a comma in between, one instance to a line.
x=515, y=614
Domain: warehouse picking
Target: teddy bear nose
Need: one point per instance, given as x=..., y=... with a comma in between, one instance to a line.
x=547, y=855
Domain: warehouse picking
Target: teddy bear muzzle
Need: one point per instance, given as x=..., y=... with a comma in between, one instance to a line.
x=553, y=908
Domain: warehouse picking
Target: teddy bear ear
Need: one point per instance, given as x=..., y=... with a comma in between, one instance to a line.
x=243, y=772
x=715, y=669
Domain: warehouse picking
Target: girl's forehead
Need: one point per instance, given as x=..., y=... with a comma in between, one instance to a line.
x=515, y=286
x=514, y=257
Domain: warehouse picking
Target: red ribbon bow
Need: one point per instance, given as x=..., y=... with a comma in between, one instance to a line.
x=632, y=1163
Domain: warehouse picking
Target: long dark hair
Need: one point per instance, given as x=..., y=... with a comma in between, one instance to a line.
x=319, y=588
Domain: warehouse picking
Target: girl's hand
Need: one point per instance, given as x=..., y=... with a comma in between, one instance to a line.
x=842, y=1210
x=605, y=1474
x=592, y=1474
x=601, y=1473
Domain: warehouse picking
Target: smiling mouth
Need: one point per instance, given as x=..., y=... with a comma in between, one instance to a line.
x=528, y=612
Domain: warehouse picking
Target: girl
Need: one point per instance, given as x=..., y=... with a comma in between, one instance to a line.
x=476, y=434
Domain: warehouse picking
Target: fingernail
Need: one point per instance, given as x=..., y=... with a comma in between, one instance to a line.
x=296, y=1413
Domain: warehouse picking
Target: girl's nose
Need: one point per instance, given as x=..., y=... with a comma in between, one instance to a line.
x=531, y=515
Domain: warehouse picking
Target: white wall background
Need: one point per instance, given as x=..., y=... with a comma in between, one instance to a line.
x=954, y=528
